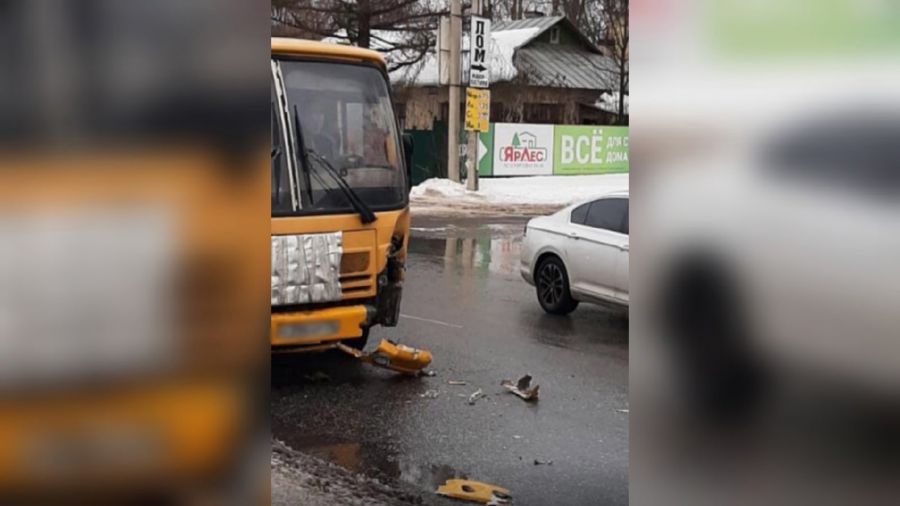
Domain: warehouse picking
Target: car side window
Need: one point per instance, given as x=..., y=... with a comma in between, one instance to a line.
x=609, y=214
x=579, y=214
x=857, y=154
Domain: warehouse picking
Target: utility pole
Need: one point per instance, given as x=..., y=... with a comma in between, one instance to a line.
x=472, y=139
x=453, y=105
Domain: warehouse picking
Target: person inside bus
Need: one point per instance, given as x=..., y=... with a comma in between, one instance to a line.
x=315, y=134
x=377, y=139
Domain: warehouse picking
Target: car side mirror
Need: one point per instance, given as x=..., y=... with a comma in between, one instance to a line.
x=408, y=146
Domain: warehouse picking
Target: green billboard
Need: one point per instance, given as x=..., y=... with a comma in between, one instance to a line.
x=589, y=149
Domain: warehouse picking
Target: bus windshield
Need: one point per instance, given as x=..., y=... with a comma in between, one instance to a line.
x=333, y=126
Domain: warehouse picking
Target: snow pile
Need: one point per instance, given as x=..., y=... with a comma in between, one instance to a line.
x=609, y=102
x=537, y=195
x=440, y=188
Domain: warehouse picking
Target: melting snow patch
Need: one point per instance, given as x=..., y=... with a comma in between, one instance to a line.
x=539, y=191
x=435, y=187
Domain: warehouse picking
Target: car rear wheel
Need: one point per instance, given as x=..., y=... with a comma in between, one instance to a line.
x=703, y=316
x=552, y=285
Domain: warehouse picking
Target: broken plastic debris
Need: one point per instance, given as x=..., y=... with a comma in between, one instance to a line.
x=522, y=388
x=543, y=462
x=456, y=382
x=622, y=411
x=477, y=394
x=474, y=491
x=393, y=356
x=430, y=394
x=317, y=377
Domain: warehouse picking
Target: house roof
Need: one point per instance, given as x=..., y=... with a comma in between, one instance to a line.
x=565, y=67
x=539, y=22
x=514, y=50
x=503, y=46
x=544, y=23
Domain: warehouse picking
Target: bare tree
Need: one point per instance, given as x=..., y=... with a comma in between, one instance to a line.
x=586, y=15
x=404, y=30
x=613, y=65
x=614, y=16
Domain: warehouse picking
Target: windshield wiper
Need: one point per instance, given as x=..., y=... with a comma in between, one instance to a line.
x=365, y=214
x=276, y=180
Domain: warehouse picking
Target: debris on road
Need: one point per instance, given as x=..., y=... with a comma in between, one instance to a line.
x=474, y=491
x=522, y=388
x=622, y=411
x=456, y=382
x=316, y=377
x=430, y=394
x=393, y=356
x=477, y=394
x=543, y=462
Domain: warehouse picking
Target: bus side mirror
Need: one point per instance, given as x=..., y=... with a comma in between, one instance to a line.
x=408, y=147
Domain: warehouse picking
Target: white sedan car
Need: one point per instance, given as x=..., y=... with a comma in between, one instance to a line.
x=579, y=254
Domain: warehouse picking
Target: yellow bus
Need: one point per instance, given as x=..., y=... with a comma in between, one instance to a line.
x=340, y=196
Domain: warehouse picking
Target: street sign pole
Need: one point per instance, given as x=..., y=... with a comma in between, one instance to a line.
x=472, y=161
x=479, y=77
x=453, y=94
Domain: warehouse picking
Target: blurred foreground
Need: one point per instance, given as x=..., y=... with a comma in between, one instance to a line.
x=134, y=219
x=765, y=184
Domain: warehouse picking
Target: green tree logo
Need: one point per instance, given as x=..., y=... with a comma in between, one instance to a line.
x=515, y=140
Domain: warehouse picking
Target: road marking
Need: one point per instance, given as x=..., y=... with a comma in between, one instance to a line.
x=436, y=322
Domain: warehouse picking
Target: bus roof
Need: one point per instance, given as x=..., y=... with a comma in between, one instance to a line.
x=314, y=48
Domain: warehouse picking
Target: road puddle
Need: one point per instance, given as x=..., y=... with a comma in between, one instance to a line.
x=376, y=461
x=493, y=248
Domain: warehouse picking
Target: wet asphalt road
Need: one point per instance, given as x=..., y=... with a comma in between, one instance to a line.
x=465, y=302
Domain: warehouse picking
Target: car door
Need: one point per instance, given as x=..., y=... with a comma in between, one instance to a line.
x=622, y=280
x=598, y=249
x=826, y=274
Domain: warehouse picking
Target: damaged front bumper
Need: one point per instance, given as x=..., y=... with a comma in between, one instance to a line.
x=326, y=325
x=320, y=326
